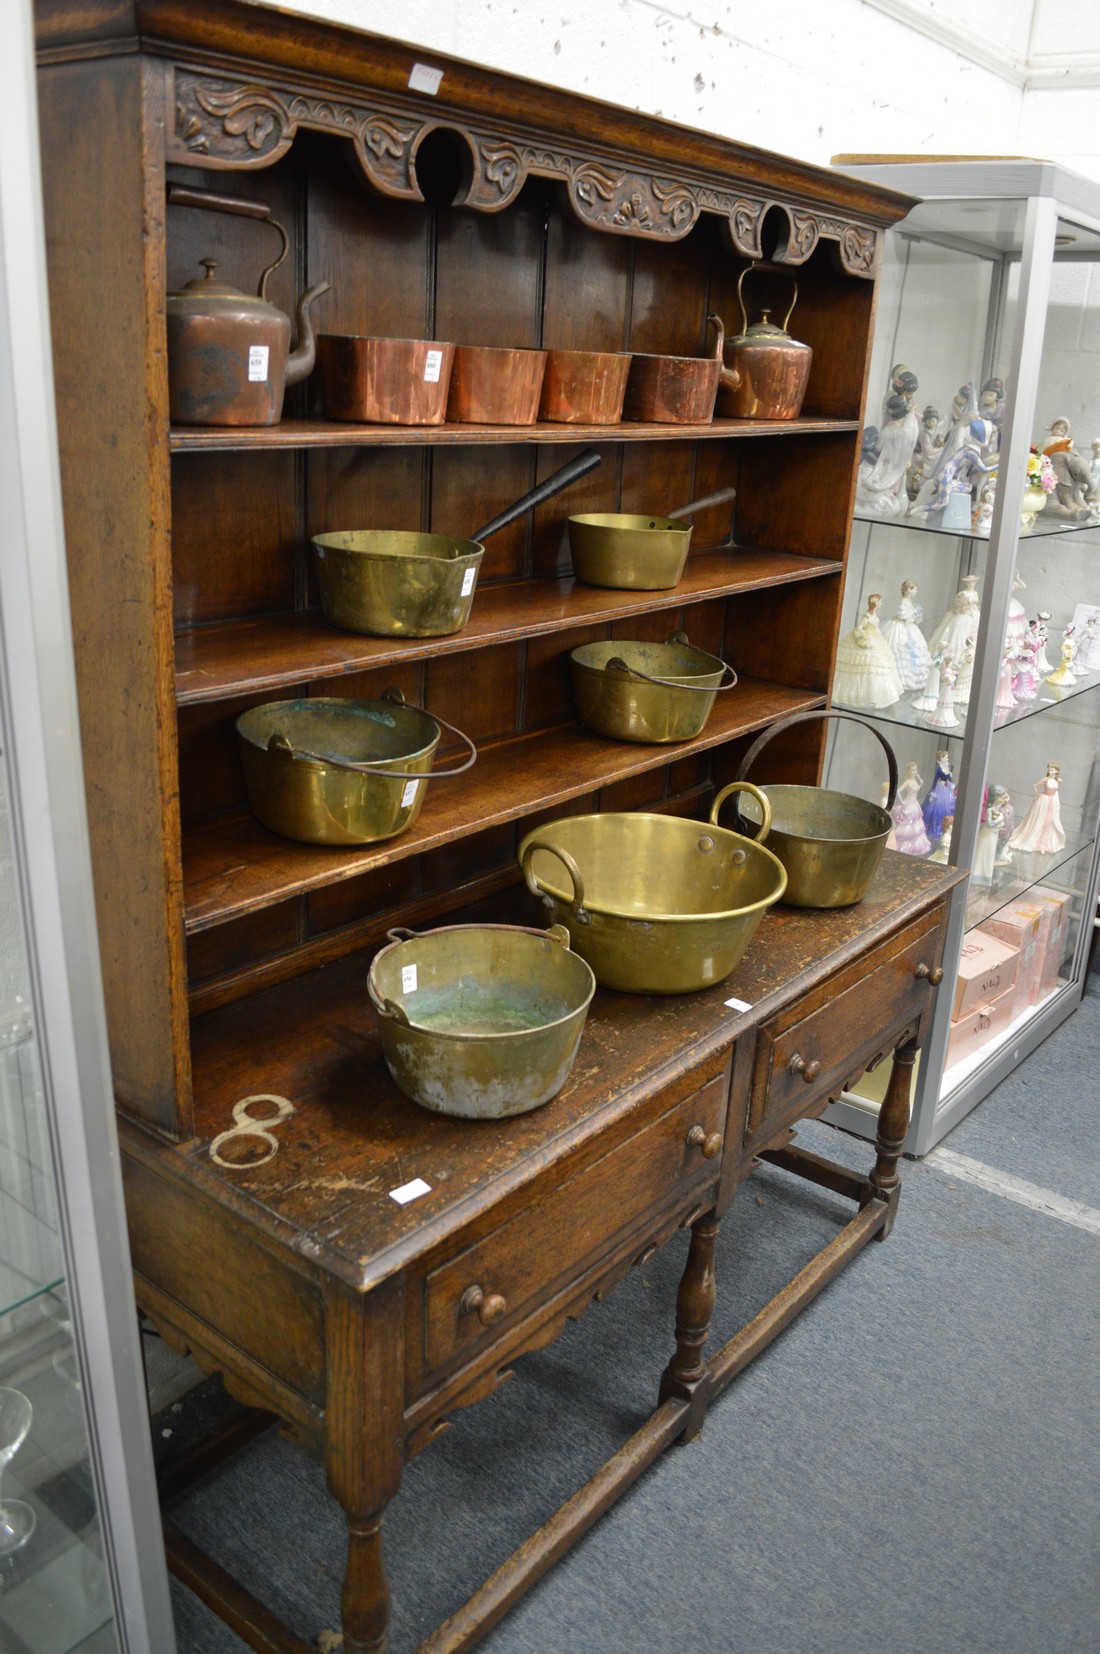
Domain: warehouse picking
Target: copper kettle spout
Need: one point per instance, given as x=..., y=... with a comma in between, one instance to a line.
x=300, y=362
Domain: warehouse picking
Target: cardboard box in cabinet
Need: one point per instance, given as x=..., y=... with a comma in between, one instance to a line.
x=1025, y=926
x=987, y=970
x=979, y=1025
x=1057, y=940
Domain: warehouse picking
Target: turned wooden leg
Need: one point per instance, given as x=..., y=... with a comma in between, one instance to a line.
x=893, y=1128
x=364, y=1447
x=686, y=1375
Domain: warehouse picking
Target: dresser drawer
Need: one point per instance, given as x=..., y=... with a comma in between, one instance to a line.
x=802, y=1057
x=674, y=1161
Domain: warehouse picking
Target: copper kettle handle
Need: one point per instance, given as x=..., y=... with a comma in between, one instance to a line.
x=730, y=377
x=181, y=195
x=793, y=718
x=741, y=301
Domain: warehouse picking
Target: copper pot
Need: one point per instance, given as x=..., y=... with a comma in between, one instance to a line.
x=678, y=390
x=384, y=381
x=774, y=368
x=584, y=387
x=493, y=386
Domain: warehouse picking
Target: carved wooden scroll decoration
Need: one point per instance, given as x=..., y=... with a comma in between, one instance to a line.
x=226, y=124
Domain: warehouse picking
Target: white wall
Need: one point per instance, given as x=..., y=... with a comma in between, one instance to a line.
x=807, y=78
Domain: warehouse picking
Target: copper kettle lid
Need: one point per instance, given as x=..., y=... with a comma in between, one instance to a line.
x=208, y=287
x=765, y=331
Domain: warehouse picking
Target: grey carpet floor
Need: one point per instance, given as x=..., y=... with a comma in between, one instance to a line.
x=913, y=1465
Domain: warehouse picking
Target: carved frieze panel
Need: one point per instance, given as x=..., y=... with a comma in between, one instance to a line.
x=222, y=123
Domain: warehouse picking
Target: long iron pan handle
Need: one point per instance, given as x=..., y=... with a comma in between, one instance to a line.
x=553, y=485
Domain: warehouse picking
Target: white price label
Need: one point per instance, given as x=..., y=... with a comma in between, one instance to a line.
x=468, y=582
x=738, y=1004
x=408, y=979
x=433, y=367
x=424, y=79
x=257, y=363
x=409, y=795
x=410, y=1191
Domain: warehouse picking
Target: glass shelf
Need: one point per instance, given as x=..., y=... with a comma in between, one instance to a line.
x=903, y=716
x=1042, y=528
x=1022, y=874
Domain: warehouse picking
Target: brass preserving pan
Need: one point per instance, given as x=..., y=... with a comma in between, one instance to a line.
x=480, y=1021
x=630, y=552
x=394, y=583
x=331, y=771
x=831, y=843
x=655, y=904
x=649, y=692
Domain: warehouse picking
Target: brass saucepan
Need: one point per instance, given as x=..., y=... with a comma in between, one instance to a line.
x=657, y=692
x=830, y=842
x=629, y=552
x=656, y=904
x=326, y=770
x=394, y=583
x=480, y=1021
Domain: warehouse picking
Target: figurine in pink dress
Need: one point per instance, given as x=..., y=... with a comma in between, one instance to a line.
x=1041, y=829
x=909, y=832
x=1006, y=700
x=1025, y=685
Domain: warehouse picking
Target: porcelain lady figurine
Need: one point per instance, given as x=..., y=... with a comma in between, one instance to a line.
x=955, y=482
x=908, y=821
x=906, y=640
x=983, y=519
x=891, y=837
x=880, y=484
x=985, y=855
x=1006, y=700
x=865, y=672
x=930, y=694
x=1063, y=677
x=965, y=680
x=1087, y=658
x=1025, y=683
x=1017, y=614
x=928, y=450
x=939, y=805
x=961, y=620
x=943, y=850
x=1041, y=829
x=1041, y=623
x=1001, y=799
x=943, y=714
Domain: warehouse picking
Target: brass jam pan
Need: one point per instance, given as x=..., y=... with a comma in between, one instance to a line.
x=630, y=552
x=650, y=692
x=830, y=842
x=656, y=904
x=480, y=1021
x=327, y=770
x=396, y=583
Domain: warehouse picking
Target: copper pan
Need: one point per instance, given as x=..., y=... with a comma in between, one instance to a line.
x=384, y=381
x=678, y=390
x=584, y=387
x=492, y=386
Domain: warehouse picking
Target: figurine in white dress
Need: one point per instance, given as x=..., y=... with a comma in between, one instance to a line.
x=943, y=714
x=1017, y=614
x=1087, y=658
x=865, y=672
x=1041, y=829
x=943, y=850
x=1041, y=622
x=961, y=620
x=985, y=855
x=880, y=484
x=906, y=640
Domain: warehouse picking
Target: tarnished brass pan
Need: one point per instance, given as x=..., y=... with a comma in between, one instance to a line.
x=332, y=771
x=630, y=552
x=655, y=904
x=655, y=692
x=830, y=842
x=393, y=583
x=480, y=1021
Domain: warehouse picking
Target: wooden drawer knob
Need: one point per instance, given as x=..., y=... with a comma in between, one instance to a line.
x=710, y=1143
x=488, y=1307
x=808, y=1070
x=933, y=976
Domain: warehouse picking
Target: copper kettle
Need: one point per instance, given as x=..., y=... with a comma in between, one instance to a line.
x=229, y=357
x=774, y=368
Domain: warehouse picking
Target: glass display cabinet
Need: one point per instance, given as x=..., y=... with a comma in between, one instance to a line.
x=987, y=346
